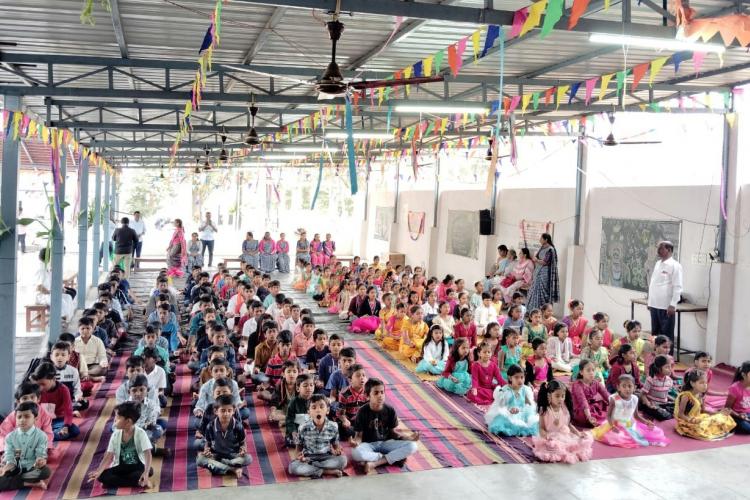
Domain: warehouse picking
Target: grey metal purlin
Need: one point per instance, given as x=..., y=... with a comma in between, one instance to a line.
x=581, y=160
x=728, y=161
x=56, y=260
x=97, y=228
x=83, y=230
x=9, y=263
x=105, y=222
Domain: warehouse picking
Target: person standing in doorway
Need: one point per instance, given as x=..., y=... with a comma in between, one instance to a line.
x=664, y=291
x=21, y=231
x=139, y=226
x=207, y=229
x=125, y=239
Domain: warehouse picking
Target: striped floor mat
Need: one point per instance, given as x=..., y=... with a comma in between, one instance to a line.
x=453, y=434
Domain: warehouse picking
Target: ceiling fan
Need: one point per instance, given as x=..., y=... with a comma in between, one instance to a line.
x=332, y=83
x=610, y=139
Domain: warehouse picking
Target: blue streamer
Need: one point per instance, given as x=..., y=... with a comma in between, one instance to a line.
x=317, y=188
x=501, y=36
x=350, y=147
x=493, y=32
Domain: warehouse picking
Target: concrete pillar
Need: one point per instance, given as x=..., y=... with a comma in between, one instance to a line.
x=9, y=263
x=97, y=228
x=83, y=231
x=108, y=208
x=56, y=260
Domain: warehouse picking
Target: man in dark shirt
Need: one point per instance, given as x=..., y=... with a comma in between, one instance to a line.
x=125, y=239
x=378, y=440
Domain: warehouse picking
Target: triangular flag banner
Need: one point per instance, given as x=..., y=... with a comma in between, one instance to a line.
x=453, y=59
x=535, y=16
x=494, y=106
x=578, y=9
x=605, y=84
x=514, y=103
x=638, y=73
x=207, y=39
x=620, y=77
x=677, y=58
x=475, y=38
x=698, y=58
x=525, y=102
x=519, y=18
x=590, y=84
x=731, y=119
x=460, y=49
x=493, y=31
x=548, y=94
x=573, y=91
x=439, y=60
x=417, y=69
x=656, y=66
x=561, y=90
x=535, y=101
x=552, y=16
x=427, y=65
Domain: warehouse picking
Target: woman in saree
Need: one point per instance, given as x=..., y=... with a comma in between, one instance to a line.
x=303, y=247
x=177, y=251
x=316, y=251
x=545, y=286
x=520, y=277
x=329, y=249
x=267, y=250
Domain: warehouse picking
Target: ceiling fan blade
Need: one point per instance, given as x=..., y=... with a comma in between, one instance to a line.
x=271, y=75
x=374, y=84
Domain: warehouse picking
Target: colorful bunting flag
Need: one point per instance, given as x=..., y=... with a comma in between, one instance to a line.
x=439, y=56
x=576, y=11
x=561, y=90
x=525, y=102
x=620, y=77
x=656, y=66
x=493, y=31
x=475, y=38
x=427, y=65
x=698, y=58
x=605, y=84
x=535, y=16
x=590, y=84
x=638, y=73
x=535, y=101
x=573, y=91
x=453, y=59
x=519, y=18
x=552, y=16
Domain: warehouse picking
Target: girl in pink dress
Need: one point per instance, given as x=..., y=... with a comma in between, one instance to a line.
x=328, y=249
x=625, y=427
x=576, y=324
x=590, y=397
x=558, y=440
x=538, y=365
x=316, y=251
x=485, y=376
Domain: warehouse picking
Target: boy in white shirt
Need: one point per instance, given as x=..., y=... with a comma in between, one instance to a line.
x=294, y=320
x=157, y=377
x=485, y=313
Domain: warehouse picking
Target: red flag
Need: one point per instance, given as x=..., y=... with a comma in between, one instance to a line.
x=638, y=73
x=453, y=59
x=548, y=95
x=578, y=9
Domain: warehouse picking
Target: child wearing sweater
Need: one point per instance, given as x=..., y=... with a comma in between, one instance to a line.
x=28, y=392
x=57, y=395
x=25, y=458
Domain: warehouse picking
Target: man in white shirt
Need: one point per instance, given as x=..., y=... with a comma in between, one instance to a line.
x=664, y=291
x=139, y=226
x=207, y=230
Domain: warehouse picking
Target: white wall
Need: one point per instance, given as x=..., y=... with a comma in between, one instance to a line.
x=417, y=252
x=696, y=203
x=740, y=347
x=380, y=196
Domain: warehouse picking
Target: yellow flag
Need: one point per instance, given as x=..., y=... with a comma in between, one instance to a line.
x=642, y=106
x=427, y=65
x=731, y=119
x=656, y=66
x=606, y=4
x=535, y=16
x=381, y=95
x=17, y=115
x=475, y=43
x=561, y=90
x=32, y=129
x=525, y=102
x=407, y=75
x=188, y=108
x=605, y=83
x=443, y=124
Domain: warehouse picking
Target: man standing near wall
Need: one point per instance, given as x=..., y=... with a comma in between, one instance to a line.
x=125, y=241
x=207, y=229
x=139, y=226
x=664, y=291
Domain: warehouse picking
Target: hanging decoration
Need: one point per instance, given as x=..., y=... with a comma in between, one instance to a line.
x=87, y=13
x=415, y=224
x=732, y=27
x=317, y=186
x=350, y=147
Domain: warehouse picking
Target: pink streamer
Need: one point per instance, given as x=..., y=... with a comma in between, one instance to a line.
x=698, y=58
x=519, y=17
x=590, y=84
x=514, y=103
x=460, y=49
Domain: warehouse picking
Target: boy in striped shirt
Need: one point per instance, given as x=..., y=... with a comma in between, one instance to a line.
x=350, y=401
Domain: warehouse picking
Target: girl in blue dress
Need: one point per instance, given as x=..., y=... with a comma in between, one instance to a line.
x=513, y=412
x=510, y=352
x=456, y=376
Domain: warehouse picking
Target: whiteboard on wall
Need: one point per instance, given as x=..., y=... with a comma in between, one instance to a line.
x=462, y=237
x=628, y=250
x=383, y=223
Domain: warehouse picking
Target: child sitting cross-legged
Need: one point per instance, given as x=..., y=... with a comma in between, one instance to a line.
x=655, y=399
x=296, y=412
x=149, y=420
x=225, y=450
x=330, y=363
x=350, y=400
x=58, y=395
x=152, y=338
x=285, y=391
x=274, y=368
x=456, y=377
x=318, y=351
x=28, y=392
x=693, y=418
x=25, y=459
x=219, y=369
x=91, y=349
x=157, y=377
x=339, y=379
x=67, y=375
x=378, y=439
x=558, y=439
x=485, y=376
x=435, y=352
x=127, y=462
x=222, y=386
x=134, y=366
x=513, y=412
x=538, y=365
x=318, y=448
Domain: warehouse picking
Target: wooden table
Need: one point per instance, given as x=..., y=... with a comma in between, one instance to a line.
x=682, y=307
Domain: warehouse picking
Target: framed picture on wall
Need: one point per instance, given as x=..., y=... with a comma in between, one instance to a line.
x=383, y=223
x=462, y=237
x=628, y=250
x=531, y=232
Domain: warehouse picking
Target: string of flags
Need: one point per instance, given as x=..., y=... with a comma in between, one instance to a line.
x=210, y=42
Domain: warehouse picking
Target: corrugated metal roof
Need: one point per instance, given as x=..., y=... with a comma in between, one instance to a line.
x=173, y=30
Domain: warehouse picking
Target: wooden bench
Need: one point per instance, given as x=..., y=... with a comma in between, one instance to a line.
x=345, y=260
x=139, y=260
x=228, y=260
x=37, y=317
